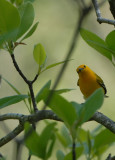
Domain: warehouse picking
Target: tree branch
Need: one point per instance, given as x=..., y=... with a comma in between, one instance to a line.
x=47, y=114
x=100, y=19
x=11, y=135
x=104, y=120
x=30, y=83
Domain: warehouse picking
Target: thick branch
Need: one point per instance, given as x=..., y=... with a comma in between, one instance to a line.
x=47, y=114
x=11, y=135
x=43, y=114
x=104, y=120
x=100, y=19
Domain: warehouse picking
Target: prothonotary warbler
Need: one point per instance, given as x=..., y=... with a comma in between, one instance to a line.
x=89, y=81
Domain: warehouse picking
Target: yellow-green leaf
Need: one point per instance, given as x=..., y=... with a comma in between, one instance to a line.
x=39, y=54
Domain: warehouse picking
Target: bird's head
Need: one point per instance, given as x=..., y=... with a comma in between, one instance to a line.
x=82, y=68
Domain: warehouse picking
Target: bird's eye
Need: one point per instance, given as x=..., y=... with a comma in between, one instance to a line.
x=84, y=66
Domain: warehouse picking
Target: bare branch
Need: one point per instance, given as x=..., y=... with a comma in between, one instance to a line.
x=104, y=120
x=11, y=116
x=11, y=135
x=43, y=114
x=30, y=83
x=47, y=114
x=100, y=19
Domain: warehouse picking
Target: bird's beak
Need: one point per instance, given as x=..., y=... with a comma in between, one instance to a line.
x=79, y=70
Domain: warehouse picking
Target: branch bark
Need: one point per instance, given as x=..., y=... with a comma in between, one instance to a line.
x=100, y=19
x=29, y=83
x=47, y=114
x=11, y=135
x=104, y=120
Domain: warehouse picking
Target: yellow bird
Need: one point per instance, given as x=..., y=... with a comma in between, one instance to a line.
x=89, y=81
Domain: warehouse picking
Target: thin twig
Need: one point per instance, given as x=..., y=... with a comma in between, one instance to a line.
x=29, y=157
x=73, y=151
x=100, y=19
x=18, y=147
x=18, y=69
x=33, y=97
x=30, y=83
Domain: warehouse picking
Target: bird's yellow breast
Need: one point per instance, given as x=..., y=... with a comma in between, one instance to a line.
x=87, y=87
x=88, y=83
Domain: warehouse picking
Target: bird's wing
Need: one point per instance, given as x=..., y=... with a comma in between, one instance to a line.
x=78, y=82
x=101, y=83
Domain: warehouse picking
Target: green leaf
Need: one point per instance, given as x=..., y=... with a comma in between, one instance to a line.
x=50, y=149
x=18, y=2
x=105, y=137
x=42, y=93
x=93, y=103
x=29, y=0
x=89, y=142
x=38, y=144
x=9, y=21
x=12, y=1
x=62, y=139
x=60, y=91
x=14, y=88
x=6, y=101
x=62, y=108
x=60, y=155
x=110, y=40
x=96, y=130
x=96, y=42
x=32, y=30
x=100, y=151
x=82, y=134
x=27, y=16
x=39, y=54
x=77, y=107
x=55, y=64
x=65, y=133
x=32, y=140
x=79, y=151
x=45, y=136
